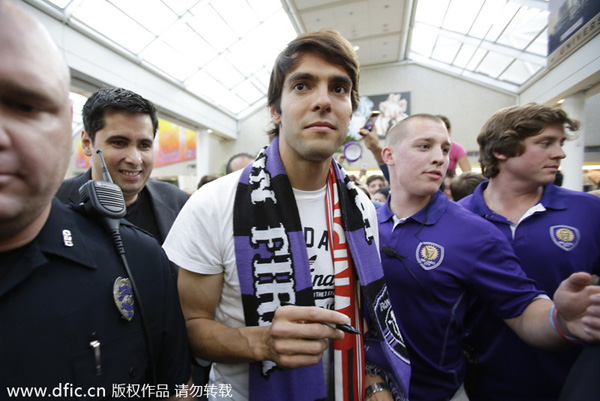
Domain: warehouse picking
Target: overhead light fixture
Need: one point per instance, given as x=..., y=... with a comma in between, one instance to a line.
x=356, y=47
x=561, y=101
x=209, y=131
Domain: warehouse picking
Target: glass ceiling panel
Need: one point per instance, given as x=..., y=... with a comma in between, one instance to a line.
x=210, y=46
x=233, y=102
x=197, y=51
x=203, y=83
x=493, y=64
x=540, y=45
x=519, y=72
x=180, y=7
x=167, y=59
x=212, y=27
x=464, y=55
x=264, y=9
x=445, y=50
x=461, y=15
x=151, y=14
x=238, y=15
x=247, y=91
x=423, y=41
x=224, y=72
x=476, y=59
x=494, y=41
x=501, y=20
x=431, y=11
x=122, y=30
x=523, y=29
x=263, y=77
x=485, y=19
x=223, y=50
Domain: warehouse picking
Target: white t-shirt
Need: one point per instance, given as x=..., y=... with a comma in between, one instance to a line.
x=201, y=241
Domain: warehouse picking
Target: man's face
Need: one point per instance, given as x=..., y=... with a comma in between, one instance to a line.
x=35, y=124
x=540, y=161
x=375, y=185
x=419, y=161
x=126, y=143
x=316, y=108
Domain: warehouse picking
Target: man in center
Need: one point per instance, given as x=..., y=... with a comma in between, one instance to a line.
x=263, y=270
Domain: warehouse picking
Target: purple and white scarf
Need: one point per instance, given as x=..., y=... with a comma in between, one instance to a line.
x=273, y=269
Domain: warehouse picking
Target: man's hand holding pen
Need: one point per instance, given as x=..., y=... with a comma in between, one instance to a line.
x=299, y=335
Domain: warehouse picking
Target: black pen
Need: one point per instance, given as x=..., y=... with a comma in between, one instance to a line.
x=343, y=327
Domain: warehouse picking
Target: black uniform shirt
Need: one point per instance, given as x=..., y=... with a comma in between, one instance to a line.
x=56, y=299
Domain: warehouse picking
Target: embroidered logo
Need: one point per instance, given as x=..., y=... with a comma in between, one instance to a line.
x=123, y=296
x=429, y=255
x=565, y=237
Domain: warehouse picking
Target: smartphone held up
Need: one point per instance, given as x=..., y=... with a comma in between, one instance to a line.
x=371, y=120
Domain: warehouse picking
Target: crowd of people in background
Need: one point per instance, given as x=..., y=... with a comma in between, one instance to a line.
x=286, y=278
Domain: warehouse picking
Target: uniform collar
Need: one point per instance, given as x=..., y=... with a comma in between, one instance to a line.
x=61, y=230
x=551, y=199
x=429, y=215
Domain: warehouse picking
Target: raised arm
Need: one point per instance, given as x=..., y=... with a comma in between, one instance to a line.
x=464, y=164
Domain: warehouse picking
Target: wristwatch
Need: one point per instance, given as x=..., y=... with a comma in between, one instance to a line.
x=375, y=388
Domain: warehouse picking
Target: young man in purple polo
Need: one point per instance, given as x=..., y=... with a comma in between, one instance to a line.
x=440, y=259
x=553, y=231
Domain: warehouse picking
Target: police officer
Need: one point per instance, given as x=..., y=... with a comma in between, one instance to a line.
x=70, y=324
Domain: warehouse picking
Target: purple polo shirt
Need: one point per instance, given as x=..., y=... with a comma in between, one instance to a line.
x=452, y=259
x=551, y=244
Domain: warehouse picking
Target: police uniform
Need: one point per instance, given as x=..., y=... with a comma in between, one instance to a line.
x=62, y=311
x=443, y=260
x=554, y=241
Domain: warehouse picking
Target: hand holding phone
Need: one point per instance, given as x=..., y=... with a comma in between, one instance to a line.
x=371, y=120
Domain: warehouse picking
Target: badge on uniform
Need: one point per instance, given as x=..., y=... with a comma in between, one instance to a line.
x=565, y=237
x=123, y=296
x=429, y=255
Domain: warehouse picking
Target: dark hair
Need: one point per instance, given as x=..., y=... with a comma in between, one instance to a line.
x=236, y=156
x=206, y=179
x=119, y=99
x=383, y=190
x=507, y=129
x=445, y=120
x=464, y=184
x=328, y=44
x=372, y=178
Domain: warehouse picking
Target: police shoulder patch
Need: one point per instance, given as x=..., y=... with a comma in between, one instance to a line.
x=565, y=237
x=429, y=255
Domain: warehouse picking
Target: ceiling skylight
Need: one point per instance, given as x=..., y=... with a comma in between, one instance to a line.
x=216, y=49
x=502, y=43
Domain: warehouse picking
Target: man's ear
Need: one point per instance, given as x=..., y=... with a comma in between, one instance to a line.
x=500, y=156
x=86, y=144
x=388, y=156
x=275, y=116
